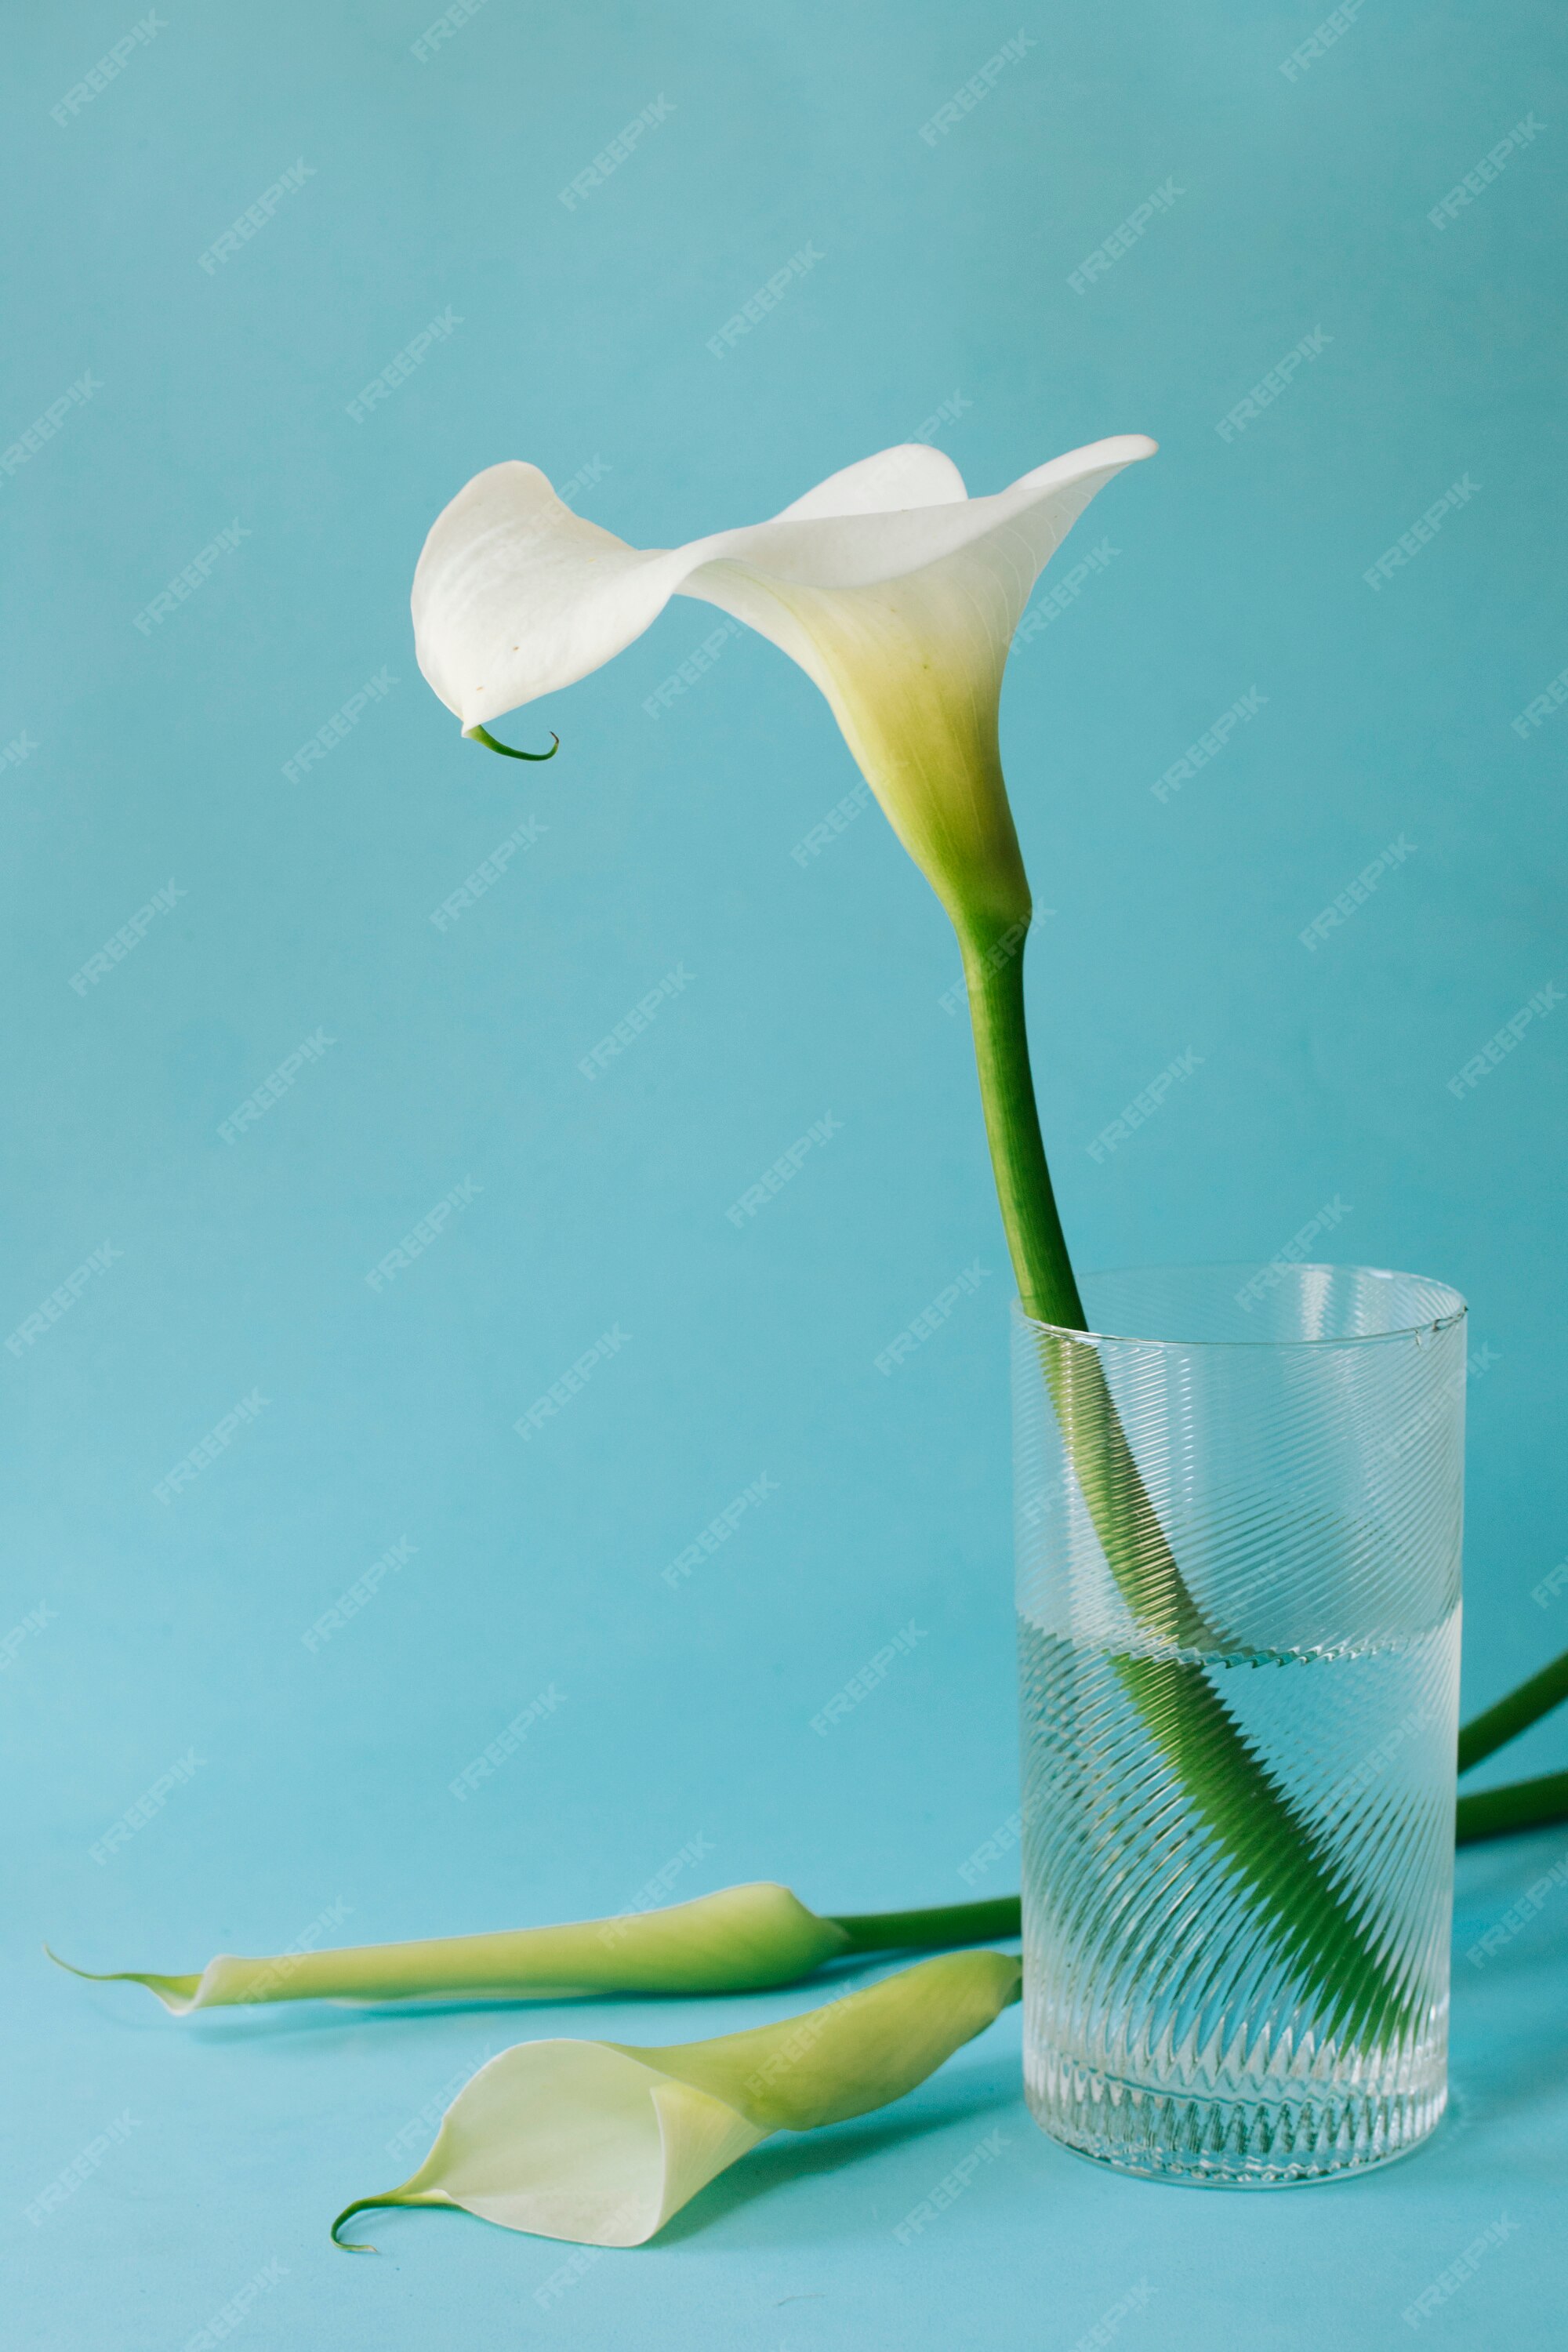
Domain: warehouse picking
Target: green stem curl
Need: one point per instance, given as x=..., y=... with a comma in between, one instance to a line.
x=367, y=2204
x=482, y=735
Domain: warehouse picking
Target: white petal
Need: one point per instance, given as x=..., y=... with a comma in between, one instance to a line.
x=515, y=595
x=911, y=475
x=580, y=2140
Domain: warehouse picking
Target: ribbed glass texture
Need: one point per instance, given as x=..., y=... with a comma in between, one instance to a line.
x=1238, y=1540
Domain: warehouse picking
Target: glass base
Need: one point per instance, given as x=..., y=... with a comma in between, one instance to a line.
x=1214, y=2143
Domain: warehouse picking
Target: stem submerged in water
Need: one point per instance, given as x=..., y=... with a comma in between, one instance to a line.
x=1293, y=1879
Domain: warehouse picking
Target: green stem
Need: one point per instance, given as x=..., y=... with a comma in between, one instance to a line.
x=1496, y=1812
x=1499, y=1813
x=1124, y=1519
x=1294, y=1879
x=1514, y=1713
x=1041, y=1266
x=931, y=1931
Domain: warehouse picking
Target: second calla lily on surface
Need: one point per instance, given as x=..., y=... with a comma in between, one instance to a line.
x=602, y=2141
x=738, y=1939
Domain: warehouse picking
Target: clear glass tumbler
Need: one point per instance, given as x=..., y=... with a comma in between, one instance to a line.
x=1238, y=1612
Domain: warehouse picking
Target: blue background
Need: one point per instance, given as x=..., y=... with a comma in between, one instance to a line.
x=582, y=341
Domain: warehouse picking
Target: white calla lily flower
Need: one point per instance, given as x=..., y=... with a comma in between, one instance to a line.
x=601, y=2142
x=898, y=594
x=892, y=588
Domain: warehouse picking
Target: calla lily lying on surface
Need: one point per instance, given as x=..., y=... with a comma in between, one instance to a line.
x=738, y=1940
x=601, y=2142
x=741, y=1939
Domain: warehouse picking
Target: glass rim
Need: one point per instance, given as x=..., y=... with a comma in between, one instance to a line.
x=1428, y=1325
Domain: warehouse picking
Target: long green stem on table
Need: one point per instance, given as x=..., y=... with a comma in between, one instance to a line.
x=924, y=1931
x=1292, y=1876
x=1514, y=1713
x=1495, y=1814
x=1499, y=1813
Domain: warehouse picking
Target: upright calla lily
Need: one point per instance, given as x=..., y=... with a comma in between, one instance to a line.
x=898, y=594
x=601, y=2141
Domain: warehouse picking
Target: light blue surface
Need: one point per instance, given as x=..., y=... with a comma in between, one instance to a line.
x=581, y=341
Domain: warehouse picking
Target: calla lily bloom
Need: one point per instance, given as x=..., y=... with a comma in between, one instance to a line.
x=892, y=588
x=898, y=594
x=741, y=1939
x=601, y=2142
